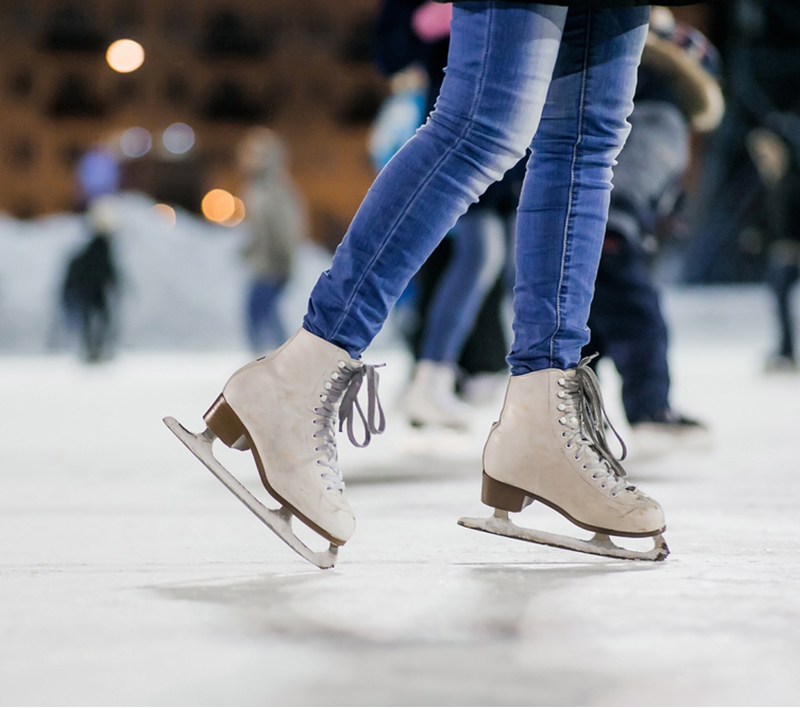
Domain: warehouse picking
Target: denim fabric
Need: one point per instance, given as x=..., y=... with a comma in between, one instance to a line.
x=478, y=256
x=264, y=326
x=511, y=65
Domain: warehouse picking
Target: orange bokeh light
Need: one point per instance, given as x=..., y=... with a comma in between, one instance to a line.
x=218, y=205
x=125, y=55
x=238, y=213
x=165, y=212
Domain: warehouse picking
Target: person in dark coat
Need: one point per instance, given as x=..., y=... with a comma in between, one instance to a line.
x=88, y=290
x=678, y=94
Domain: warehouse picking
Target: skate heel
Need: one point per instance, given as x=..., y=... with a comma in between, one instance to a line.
x=503, y=496
x=225, y=424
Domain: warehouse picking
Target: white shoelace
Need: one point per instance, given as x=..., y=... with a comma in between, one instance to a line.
x=344, y=386
x=585, y=419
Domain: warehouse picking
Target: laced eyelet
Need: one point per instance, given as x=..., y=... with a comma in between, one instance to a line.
x=561, y=406
x=562, y=381
x=342, y=365
x=561, y=394
x=563, y=420
x=328, y=385
x=335, y=376
x=577, y=458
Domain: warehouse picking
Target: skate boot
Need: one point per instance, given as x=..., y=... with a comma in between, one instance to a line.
x=431, y=399
x=283, y=408
x=550, y=446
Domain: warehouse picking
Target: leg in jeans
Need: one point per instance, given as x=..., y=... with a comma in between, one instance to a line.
x=478, y=256
x=565, y=198
x=500, y=64
x=549, y=443
x=264, y=326
x=478, y=252
x=502, y=58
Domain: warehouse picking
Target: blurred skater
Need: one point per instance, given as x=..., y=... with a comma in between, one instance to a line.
x=748, y=225
x=278, y=225
x=451, y=289
x=778, y=162
x=90, y=286
x=678, y=93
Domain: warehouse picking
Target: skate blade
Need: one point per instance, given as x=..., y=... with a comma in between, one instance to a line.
x=599, y=545
x=279, y=521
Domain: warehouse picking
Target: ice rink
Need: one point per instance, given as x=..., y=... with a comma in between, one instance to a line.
x=131, y=576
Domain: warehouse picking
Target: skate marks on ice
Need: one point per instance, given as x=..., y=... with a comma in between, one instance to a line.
x=279, y=521
x=599, y=545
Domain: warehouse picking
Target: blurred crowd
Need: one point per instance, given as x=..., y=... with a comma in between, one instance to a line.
x=709, y=180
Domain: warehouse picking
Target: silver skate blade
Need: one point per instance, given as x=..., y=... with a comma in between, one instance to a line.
x=599, y=545
x=279, y=521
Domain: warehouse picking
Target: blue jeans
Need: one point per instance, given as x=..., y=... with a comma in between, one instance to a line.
x=478, y=256
x=264, y=326
x=515, y=71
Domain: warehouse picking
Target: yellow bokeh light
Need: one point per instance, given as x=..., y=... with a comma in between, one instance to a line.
x=218, y=205
x=238, y=213
x=125, y=55
x=165, y=212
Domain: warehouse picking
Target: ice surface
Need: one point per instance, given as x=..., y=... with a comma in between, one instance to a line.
x=129, y=575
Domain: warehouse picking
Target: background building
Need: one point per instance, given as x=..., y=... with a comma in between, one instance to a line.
x=301, y=67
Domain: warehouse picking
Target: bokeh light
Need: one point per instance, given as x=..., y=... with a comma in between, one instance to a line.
x=178, y=138
x=135, y=142
x=165, y=212
x=125, y=55
x=238, y=213
x=218, y=205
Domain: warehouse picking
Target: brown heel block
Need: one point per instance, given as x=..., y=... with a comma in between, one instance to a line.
x=225, y=424
x=503, y=496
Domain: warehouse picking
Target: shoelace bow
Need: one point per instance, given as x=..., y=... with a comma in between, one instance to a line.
x=588, y=425
x=344, y=386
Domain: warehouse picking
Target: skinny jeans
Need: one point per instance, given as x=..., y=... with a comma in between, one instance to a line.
x=556, y=79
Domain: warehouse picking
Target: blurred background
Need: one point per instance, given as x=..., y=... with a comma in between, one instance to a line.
x=174, y=175
x=156, y=120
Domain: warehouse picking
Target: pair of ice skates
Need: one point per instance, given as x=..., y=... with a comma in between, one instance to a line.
x=549, y=445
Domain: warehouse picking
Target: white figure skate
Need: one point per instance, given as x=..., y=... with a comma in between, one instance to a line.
x=549, y=446
x=283, y=408
x=431, y=399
